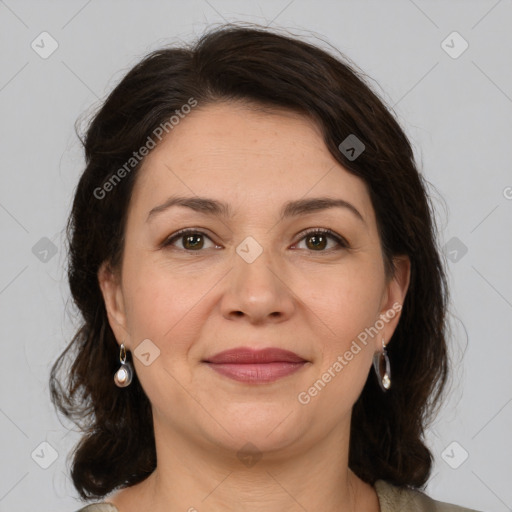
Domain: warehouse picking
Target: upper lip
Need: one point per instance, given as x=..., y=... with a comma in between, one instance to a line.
x=245, y=355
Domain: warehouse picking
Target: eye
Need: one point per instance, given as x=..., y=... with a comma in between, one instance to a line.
x=190, y=240
x=317, y=240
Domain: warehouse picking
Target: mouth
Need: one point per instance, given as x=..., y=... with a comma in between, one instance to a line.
x=255, y=366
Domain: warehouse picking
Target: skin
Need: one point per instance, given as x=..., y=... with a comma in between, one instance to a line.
x=296, y=296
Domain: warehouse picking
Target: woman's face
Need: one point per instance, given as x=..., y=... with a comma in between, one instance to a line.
x=253, y=273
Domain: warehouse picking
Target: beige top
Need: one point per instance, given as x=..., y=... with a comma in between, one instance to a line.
x=391, y=499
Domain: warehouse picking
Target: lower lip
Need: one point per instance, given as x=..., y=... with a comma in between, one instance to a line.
x=261, y=372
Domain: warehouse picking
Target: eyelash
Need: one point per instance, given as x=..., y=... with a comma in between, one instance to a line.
x=342, y=242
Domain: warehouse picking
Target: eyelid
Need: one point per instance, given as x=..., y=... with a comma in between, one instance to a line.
x=168, y=241
x=342, y=241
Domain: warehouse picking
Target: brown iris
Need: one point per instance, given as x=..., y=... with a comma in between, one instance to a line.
x=195, y=241
x=318, y=241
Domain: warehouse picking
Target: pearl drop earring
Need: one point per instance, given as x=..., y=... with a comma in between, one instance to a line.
x=123, y=377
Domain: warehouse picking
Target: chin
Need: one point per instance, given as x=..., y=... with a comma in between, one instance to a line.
x=267, y=427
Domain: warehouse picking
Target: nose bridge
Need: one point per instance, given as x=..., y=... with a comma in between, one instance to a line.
x=255, y=286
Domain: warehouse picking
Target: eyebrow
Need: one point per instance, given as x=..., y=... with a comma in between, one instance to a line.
x=221, y=209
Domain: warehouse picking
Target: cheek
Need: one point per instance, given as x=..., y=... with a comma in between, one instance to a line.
x=160, y=304
x=164, y=307
x=346, y=301
x=347, y=304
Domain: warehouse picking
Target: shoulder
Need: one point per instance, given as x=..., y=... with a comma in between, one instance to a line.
x=99, y=507
x=393, y=498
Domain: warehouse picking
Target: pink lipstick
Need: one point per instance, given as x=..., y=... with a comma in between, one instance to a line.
x=255, y=366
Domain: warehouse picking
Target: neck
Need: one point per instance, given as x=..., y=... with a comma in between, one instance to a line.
x=195, y=477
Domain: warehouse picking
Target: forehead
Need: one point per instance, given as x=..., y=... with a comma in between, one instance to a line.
x=239, y=153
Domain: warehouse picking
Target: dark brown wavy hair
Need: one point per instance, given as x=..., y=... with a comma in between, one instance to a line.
x=273, y=70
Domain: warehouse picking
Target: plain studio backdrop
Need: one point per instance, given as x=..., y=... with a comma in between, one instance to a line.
x=444, y=67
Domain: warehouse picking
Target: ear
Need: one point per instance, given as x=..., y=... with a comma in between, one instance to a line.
x=393, y=299
x=110, y=285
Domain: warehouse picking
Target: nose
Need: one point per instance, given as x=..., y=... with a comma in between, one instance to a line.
x=257, y=292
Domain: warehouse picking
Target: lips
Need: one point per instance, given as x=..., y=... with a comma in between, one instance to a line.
x=256, y=366
x=248, y=356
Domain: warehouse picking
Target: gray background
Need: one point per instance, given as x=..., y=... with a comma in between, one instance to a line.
x=456, y=111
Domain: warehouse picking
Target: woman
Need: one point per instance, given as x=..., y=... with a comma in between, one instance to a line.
x=249, y=235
